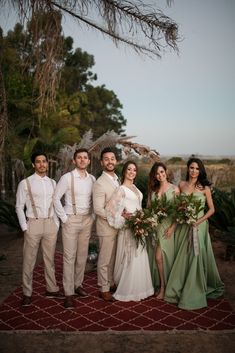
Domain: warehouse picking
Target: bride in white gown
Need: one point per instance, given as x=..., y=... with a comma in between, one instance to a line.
x=131, y=272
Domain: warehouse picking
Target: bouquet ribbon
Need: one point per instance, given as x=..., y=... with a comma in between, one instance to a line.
x=193, y=242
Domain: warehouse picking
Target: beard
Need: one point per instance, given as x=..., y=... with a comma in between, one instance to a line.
x=109, y=168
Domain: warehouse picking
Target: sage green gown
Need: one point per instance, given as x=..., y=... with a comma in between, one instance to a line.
x=167, y=246
x=193, y=278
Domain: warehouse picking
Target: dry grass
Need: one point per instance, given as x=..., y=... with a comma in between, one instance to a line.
x=222, y=175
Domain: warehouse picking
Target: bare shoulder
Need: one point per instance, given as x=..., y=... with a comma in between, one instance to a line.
x=207, y=190
x=176, y=189
x=182, y=185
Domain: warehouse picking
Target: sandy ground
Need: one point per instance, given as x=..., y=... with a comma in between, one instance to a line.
x=59, y=342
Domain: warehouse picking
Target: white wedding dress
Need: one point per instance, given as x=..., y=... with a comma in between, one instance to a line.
x=131, y=272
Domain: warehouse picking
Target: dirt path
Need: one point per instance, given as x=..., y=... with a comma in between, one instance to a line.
x=56, y=342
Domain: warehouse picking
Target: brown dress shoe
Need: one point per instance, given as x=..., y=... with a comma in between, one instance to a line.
x=81, y=292
x=26, y=300
x=68, y=302
x=113, y=288
x=107, y=296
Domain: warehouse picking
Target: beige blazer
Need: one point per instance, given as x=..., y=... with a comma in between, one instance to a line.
x=103, y=189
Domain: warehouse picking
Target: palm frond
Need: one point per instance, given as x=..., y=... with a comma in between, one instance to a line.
x=87, y=140
x=141, y=150
x=65, y=156
x=108, y=139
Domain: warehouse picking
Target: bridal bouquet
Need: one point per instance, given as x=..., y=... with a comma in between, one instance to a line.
x=142, y=224
x=161, y=208
x=186, y=209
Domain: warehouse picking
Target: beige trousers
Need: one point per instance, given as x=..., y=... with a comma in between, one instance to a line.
x=106, y=260
x=42, y=231
x=76, y=234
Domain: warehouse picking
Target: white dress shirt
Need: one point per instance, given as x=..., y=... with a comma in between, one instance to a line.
x=42, y=191
x=83, y=194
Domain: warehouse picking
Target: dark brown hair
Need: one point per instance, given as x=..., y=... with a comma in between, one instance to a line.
x=202, y=177
x=107, y=150
x=80, y=150
x=36, y=154
x=153, y=183
x=124, y=169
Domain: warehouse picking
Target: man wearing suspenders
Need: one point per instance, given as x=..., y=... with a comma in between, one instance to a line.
x=40, y=225
x=77, y=220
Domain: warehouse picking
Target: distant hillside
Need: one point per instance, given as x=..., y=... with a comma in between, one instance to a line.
x=203, y=157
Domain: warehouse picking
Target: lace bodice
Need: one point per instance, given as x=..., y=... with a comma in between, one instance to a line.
x=123, y=198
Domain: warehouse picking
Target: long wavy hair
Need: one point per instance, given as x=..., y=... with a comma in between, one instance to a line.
x=153, y=183
x=202, y=177
x=124, y=169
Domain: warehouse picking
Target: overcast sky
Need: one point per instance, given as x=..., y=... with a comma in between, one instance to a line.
x=180, y=104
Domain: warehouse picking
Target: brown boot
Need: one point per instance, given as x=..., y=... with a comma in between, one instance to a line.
x=107, y=296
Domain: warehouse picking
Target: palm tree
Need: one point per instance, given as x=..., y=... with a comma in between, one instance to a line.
x=143, y=28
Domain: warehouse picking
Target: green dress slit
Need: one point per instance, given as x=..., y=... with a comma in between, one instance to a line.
x=167, y=246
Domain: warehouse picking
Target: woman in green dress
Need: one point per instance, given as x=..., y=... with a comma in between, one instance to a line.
x=194, y=276
x=161, y=255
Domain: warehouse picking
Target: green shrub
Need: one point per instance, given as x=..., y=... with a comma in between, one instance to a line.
x=224, y=216
x=142, y=184
x=8, y=215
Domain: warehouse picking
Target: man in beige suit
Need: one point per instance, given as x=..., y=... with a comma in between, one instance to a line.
x=102, y=192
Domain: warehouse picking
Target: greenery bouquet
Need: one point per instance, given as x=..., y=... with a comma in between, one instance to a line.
x=142, y=224
x=186, y=209
x=161, y=208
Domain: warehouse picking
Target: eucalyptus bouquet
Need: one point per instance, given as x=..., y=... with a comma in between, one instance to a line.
x=142, y=224
x=186, y=209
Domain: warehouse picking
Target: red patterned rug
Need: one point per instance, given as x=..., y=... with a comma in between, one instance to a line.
x=93, y=314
